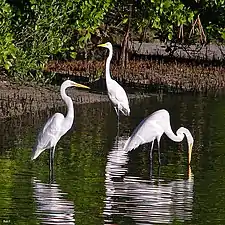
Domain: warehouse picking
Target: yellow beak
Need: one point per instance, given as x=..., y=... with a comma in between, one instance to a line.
x=189, y=153
x=102, y=45
x=190, y=174
x=80, y=85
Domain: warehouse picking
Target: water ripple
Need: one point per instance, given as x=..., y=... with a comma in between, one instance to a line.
x=155, y=201
x=52, y=207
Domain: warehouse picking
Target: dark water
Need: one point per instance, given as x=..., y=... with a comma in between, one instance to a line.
x=95, y=182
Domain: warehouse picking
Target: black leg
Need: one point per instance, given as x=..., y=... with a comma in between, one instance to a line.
x=51, y=165
x=159, y=159
x=150, y=169
x=50, y=159
x=118, y=119
x=159, y=170
x=151, y=150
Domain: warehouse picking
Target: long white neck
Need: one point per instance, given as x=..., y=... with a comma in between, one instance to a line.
x=107, y=67
x=68, y=101
x=179, y=136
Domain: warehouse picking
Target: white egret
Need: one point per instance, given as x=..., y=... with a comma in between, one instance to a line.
x=152, y=128
x=57, y=125
x=116, y=93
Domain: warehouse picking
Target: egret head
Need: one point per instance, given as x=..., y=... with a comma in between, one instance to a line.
x=184, y=131
x=69, y=83
x=106, y=45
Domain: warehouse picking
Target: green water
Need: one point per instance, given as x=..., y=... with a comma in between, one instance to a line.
x=95, y=182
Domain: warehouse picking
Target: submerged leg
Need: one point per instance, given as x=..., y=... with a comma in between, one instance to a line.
x=151, y=150
x=159, y=170
x=50, y=159
x=51, y=164
x=150, y=169
x=159, y=159
x=118, y=119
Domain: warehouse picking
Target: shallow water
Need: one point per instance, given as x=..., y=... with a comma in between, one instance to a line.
x=95, y=182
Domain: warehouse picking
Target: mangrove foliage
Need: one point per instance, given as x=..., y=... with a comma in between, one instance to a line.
x=32, y=32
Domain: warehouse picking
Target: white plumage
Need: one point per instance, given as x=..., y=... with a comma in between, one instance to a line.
x=57, y=125
x=116, y=93
x=152, y=128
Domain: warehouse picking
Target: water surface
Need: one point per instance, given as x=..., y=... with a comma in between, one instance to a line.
x=96, y=182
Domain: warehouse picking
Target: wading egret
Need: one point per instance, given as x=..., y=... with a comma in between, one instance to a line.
x=57, y=125
x=152, y=128
x=116, y=93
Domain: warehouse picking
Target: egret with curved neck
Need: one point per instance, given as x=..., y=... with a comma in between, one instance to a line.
x=57, y=125
x=116, y=93
x=152, y=128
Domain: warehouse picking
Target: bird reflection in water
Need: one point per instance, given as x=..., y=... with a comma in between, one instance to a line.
x=153, y=201
x=52, y=206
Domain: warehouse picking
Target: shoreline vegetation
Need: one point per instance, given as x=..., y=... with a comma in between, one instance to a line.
x=173, y=75
x=140, y=75
x=149, y=67
x=19, y=99
x=158, y=47
x=143, y=74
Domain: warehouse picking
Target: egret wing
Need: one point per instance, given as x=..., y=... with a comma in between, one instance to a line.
x=118, y=95
x=162, y=118
x=116, y=91
x=145, y=132
x=49, y=135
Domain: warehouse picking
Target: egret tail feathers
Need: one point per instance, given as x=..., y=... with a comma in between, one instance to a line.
x=36, y=152
x=130, y=145
x=125, y=111
x=133, y=142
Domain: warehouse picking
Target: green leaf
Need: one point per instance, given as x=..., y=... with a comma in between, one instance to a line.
x=7, y=66
x=170, y=36
x=73, y=55
x=223, y=34
x=124, y=21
